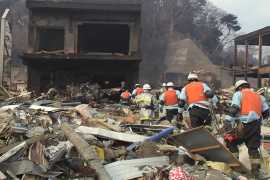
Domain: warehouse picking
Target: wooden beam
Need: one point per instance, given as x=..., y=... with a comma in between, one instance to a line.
x=204, y=149
x=246, y=59
x=86, y=151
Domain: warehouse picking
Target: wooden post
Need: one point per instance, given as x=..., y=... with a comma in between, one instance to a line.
x=246, y=60
x=234, y=62
x=85, y=151
x=259, y=85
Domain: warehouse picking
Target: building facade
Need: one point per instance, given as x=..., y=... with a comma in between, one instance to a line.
x=71, y=42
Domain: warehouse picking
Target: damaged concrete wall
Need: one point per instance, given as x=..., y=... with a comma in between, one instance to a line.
x=70, y=20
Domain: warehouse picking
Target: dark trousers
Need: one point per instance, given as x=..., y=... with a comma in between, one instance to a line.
x=251, y=137
x=170, y=113
x=199, y=117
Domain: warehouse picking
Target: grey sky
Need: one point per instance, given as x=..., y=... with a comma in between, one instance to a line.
x=252, y=14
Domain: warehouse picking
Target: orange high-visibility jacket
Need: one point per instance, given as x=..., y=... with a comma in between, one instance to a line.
x=195, y=92
x=126, y=95
x=139, y=91
x=251, y=101
x=171, y=97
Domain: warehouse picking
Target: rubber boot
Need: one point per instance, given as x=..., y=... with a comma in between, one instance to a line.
x=255, y=170
x=255, y=162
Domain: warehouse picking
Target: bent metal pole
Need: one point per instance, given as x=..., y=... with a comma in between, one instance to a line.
x=85, y=151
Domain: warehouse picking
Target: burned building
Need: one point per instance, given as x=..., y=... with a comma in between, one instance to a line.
x=71, y=42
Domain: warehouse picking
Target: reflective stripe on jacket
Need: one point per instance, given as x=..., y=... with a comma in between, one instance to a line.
x=195, y=92
x=147, y=103
x=171, y=97
x=126, y=95
x=139, y=91
x=251, y=101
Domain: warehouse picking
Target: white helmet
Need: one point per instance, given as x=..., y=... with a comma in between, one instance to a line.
x=136, y=85
x=239, y=83
x=164, y=84
x=192, y=76
x=170, y=84
x=146, y=87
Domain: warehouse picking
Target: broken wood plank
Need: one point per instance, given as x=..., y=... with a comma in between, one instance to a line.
x=111, y=134
x=9, y=95
x=93, y=123
x=21, y=147
x=11, y=98
x=59, y=51
x=12, y=175
x=32, y=177
x=4, y=125
x=35, y=139
x=12, y=152
x=7, y=148
x=36, y=154
x=85, y=151
x=2, y=176
x=203, y=149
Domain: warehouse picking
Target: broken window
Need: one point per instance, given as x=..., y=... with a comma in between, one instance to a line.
x=50, y=39
x=107, y=38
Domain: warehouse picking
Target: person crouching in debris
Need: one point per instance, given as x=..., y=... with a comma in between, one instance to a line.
x=197, y=95
x=125, y=97
x=249, y=107
x=170, y=98
x=148, y=105
x=138, y=90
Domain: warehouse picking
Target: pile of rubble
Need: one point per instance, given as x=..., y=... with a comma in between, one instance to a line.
x=53, y=139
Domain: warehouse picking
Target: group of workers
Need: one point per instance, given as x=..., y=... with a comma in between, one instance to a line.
x=196, y=94
x=247, y=107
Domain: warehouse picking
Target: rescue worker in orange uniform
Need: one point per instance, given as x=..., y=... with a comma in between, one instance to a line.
x=138, y=90
x=249, y=107
x=196, y=94
x=125, y=97
x=170, y=98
